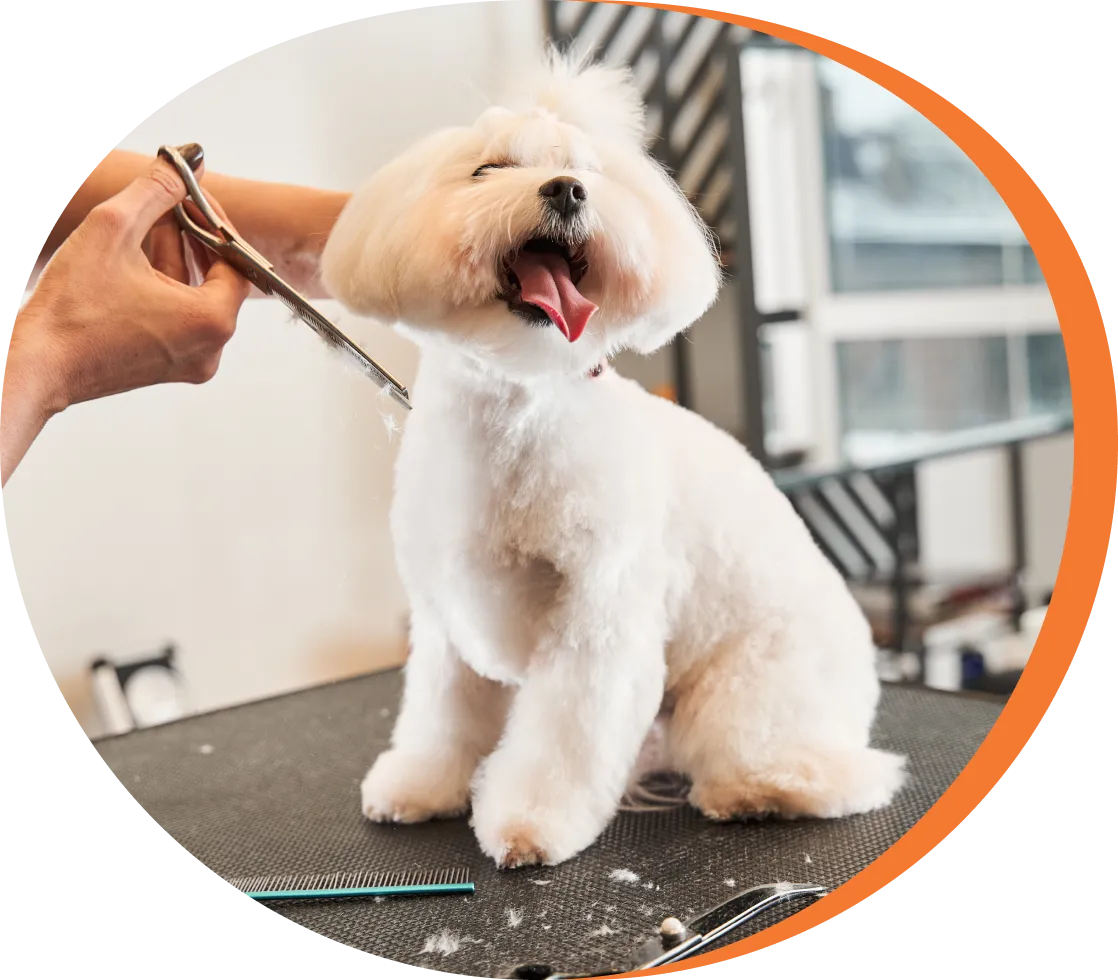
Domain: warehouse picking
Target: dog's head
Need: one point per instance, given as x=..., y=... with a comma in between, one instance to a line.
x=541, y=239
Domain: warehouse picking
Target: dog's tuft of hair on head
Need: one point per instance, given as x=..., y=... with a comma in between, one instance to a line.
x=603, y=101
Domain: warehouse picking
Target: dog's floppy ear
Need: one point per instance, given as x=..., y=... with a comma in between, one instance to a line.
x=602, y=101
x=370, y=254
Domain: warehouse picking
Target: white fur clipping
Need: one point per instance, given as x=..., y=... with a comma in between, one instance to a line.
x=625, y=876
x=384, y=409
x=444, y=943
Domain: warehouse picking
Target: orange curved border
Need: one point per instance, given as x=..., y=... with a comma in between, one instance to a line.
x=1094, y=477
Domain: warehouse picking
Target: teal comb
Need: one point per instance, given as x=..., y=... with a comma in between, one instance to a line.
x=359, y=884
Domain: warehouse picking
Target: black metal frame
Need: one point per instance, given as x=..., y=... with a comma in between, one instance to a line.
x=895, y=480
x=751, y=321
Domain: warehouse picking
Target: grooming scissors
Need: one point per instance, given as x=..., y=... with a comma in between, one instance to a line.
x=677, y=941
x=228, y=245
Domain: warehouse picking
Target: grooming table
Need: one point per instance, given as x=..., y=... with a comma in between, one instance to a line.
x=272, y=787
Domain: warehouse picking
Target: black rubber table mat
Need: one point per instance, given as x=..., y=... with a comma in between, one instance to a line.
x=272, y=787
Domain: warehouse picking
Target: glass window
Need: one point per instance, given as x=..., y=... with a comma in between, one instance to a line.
x=895, y=392
x=906, y=208
x=923, y=385
x=1049, y=384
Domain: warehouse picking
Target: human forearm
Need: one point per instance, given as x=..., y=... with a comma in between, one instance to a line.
x=286, y=223
x=24, y=412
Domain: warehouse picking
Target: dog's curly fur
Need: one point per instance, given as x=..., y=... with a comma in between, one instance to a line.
x=584, y=559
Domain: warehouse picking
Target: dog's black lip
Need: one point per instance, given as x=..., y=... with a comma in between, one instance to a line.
x=542, y=244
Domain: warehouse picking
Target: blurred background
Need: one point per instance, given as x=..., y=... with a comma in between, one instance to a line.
x=885, y=344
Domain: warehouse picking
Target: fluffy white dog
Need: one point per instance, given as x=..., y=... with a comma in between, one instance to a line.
x=585, y=561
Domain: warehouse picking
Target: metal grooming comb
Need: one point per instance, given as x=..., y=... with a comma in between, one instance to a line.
x=221, y=239
x=676, y=941
x=360, y=884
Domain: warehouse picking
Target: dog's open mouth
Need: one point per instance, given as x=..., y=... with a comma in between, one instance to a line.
x=541, y=285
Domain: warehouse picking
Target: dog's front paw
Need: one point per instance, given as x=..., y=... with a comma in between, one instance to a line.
x=517, y=842
x=527, y=821
x=403, y=787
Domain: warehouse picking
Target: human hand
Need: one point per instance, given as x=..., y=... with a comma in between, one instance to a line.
x=287, y=224
x=105, y=318
x=172, y=252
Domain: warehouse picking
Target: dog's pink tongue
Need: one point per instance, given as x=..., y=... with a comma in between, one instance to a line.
x=545, y=281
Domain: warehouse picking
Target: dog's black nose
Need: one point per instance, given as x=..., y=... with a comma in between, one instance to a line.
x=564, y=194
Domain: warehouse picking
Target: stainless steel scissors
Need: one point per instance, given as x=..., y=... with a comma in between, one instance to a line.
x=227, y=244
x=677, y=941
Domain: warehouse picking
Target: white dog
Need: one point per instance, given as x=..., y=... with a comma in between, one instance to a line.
x=582, y=557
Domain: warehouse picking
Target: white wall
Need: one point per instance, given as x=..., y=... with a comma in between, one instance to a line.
x=965, y=518
x=246, y=519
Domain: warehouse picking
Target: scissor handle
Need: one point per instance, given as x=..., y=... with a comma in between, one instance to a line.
x=174, y=155
x=219, y=236
x=235, y=252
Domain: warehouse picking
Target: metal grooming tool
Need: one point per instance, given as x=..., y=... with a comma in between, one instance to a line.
x=360, y=884
x=676, y=940
x=222, y=240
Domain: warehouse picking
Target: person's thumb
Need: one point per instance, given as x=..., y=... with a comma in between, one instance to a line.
x=144, y=201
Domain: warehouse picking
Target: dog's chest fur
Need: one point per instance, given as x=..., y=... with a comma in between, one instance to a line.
x=498, y=505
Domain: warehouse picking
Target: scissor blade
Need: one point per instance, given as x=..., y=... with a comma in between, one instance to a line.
x=335, y=338
x=730, y=915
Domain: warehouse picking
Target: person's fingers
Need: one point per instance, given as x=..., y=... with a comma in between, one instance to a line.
x=226, y=289
x=216, y=205
x=166, y=251
x=130, y=215
x=194, y=213
x=198, y=259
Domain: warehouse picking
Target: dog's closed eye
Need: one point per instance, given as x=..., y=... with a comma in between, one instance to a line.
x=480, y=172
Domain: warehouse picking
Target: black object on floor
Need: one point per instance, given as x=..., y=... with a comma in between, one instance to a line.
x=1002, y=683
x=272, y=788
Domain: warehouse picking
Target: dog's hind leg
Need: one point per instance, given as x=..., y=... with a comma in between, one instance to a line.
x=763, y=731
x=449, y=719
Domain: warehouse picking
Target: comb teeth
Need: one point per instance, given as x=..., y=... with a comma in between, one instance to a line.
x=351, y=879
